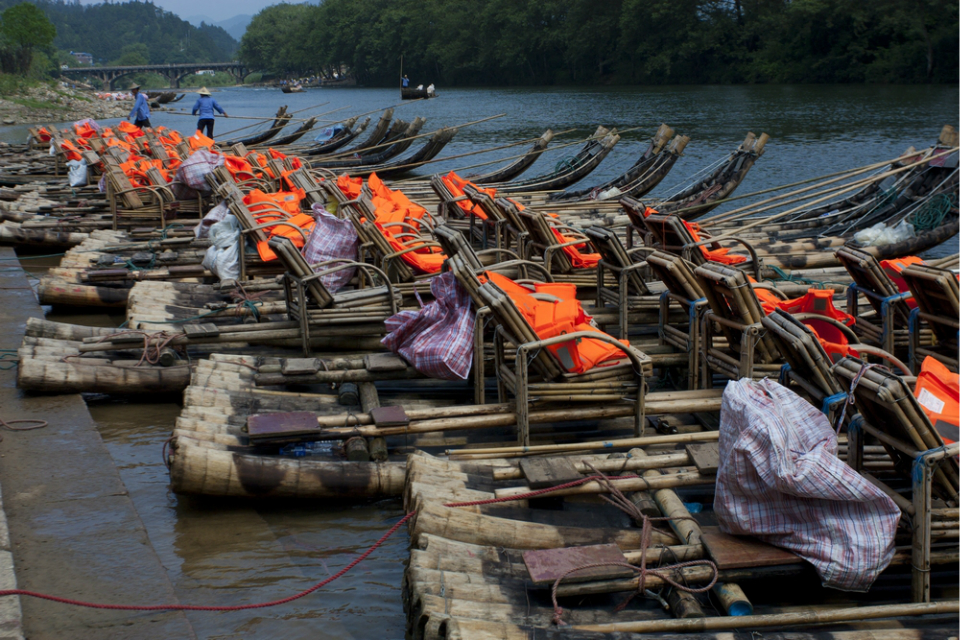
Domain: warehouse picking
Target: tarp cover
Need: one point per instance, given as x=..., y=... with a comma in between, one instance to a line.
x=437, y=339
x=780, y=480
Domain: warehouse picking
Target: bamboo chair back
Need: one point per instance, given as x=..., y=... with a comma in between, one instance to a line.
x=732, y=300
x=937, y=293
x=810, y=366
x=676, y=275
x=454, y=244
x=889, y=407
x=297, y=266
x=614, y=254
x=541, y=235
x=868, y=275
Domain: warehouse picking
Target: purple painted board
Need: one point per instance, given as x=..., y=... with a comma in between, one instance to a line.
x=545, y=566
x=260, y=426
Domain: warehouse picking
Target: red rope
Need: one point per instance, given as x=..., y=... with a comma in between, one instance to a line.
x=216, y=608
x=315, y=587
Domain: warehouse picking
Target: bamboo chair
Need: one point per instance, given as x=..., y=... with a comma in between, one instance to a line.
x=253, y=225
x=734, y=307
x=684, y=290
x=631, y=292
x=667, y=232
x=476, y=228
x=888, y=325
x=937, y=293
x=137, y=202
x=536, y=375
x=890, y=413
x=808, y=366
x=311, y=304
x=506, y=231
x=542, y=242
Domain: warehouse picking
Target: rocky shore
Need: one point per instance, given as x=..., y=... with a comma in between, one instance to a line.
x=58, y=103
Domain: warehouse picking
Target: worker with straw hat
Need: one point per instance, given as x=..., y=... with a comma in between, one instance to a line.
x=140, y=114
x=206, y=106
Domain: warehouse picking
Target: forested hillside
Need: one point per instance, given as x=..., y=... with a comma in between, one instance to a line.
x=536, y=42
x=132, y=33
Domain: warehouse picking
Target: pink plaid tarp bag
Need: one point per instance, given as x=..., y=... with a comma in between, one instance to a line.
x=332, y=238
x=193, y=170
x=438, y=338
x=780, y=480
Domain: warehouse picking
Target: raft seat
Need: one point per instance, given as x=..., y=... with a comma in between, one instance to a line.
x=886, y=324
x=537, y=374
x=568, y=254
x=936, y=292
x=891, y=413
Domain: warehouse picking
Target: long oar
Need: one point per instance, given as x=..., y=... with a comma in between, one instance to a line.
x=498, y=160
x=836, y=176
x=345, y=155
x=846, y=188
x=292, y=113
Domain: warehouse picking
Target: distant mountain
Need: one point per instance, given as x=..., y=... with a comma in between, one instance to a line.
x=236, y=26
x=196, y=20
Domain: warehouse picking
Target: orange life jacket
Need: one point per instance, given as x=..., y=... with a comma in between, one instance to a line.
x=427, y=260
x=44, y=134
x=579, y=260
x=815, y=301
x=70, y=150
x=894, y=267
x=350, y=186
x=305, y=222
x=130, y=129
x=555, y=318
x=198, y=140
x=239, y=168
x=456, y=184
x=938, y=391
x=289, y=201
x=85, y=130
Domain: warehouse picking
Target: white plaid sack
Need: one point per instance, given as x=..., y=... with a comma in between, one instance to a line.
x=332, y=238
x=437, y=339
x=780, y=480
x=193, y=170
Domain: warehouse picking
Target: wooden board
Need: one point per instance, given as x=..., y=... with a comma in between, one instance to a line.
x=280, y=425
x=546, y=566
x=730, y=552
x=201, y=330
x=389, y=416
x=299, y=366
x=547, y=472
x=706, y=456
x=383, y=363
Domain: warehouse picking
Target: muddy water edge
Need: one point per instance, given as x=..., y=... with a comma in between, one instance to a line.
x=221, y=552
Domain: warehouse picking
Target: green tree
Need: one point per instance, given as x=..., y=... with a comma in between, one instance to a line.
x=23, y=28
x=132, y=55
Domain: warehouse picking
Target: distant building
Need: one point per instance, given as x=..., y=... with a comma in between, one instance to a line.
x=82, y=58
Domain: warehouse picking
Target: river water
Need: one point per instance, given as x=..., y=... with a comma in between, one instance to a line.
x=226, y=553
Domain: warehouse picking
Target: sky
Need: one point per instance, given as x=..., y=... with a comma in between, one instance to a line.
x=216, y=9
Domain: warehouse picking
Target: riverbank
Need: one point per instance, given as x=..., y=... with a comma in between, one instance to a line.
x=45, y=103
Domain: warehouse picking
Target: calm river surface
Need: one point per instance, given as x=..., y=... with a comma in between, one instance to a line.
x=226, y=553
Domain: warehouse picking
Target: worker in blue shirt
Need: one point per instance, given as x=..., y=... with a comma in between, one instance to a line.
x=405, y=82
x=140, y=114
x=206, y=105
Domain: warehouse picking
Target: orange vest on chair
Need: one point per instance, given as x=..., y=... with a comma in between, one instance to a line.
x=456, y=184
x=894, y=267
x=554, y=318
x=938, y=391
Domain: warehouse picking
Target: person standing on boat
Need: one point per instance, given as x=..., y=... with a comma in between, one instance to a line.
x=405, y=82
x=206, y=106
x=140, y=114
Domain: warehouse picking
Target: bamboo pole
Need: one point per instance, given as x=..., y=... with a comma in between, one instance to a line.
x=846, y=188
x=779, y=620
x=506, y=452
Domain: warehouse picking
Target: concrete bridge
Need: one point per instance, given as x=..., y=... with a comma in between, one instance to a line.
x=174, y=73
